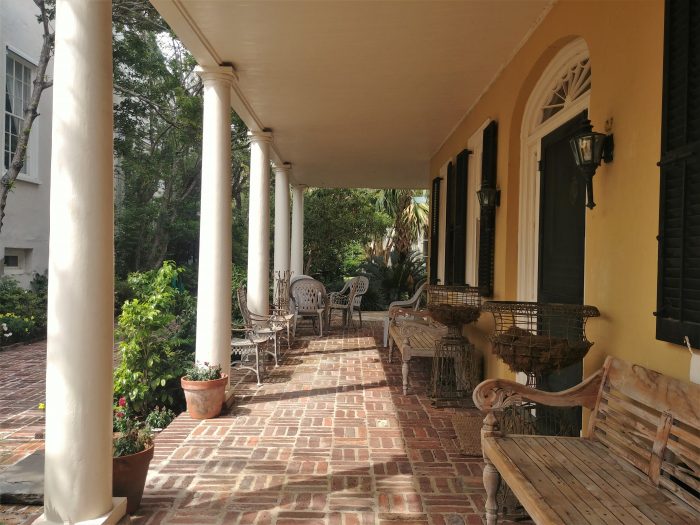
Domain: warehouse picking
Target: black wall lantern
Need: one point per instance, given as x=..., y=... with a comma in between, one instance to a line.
x=589, y=148
x=489, y=197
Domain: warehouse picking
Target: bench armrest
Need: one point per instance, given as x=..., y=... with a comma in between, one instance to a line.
x=496, y=394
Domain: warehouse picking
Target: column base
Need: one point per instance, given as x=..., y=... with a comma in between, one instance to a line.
x=113, y=517
x=229, y=398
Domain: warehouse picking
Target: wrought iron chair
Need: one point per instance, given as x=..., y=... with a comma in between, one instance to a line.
x=261, y=325
x=310, y=300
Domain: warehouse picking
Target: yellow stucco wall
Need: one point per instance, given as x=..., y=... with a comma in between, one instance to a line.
x=625, y=40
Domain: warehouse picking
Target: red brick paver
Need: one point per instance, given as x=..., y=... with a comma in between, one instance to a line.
x=329, y=439
x=22, y=388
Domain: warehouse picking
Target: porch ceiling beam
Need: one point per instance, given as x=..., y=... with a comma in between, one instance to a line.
x=205, y=54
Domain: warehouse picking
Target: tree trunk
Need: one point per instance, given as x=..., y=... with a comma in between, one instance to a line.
x=30, y=113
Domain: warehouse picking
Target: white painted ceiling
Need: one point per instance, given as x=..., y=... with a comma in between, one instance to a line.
x=356, y=93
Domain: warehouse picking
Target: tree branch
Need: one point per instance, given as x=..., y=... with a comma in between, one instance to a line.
x=30, y=112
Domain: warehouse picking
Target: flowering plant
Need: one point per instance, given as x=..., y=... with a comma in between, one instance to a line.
x=131, y=436
x=203, y=372
x=160, y=417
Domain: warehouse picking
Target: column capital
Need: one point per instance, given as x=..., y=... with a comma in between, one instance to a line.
x=283, y=168
x=210, y=74
x=260, y=136
x=301, y=187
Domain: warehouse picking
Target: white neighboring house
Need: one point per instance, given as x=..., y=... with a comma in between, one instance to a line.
x=24, y=241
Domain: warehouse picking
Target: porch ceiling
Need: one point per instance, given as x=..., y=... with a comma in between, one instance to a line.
x=357, y=94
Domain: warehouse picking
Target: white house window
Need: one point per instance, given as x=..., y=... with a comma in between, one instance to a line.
x=18, y=88
x=575, y=82
x=15, y=260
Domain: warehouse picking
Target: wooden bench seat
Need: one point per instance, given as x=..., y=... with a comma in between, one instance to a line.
x=415, y=335
x=639, y=464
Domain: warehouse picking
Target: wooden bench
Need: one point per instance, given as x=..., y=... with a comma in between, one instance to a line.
x=415, y=335
x=639, y=464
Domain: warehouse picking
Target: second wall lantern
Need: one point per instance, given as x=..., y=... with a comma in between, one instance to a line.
x=590, y=148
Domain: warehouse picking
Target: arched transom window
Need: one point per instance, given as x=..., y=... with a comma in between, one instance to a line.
x=575, y=81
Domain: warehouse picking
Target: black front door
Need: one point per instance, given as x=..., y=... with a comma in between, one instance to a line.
x=562, y=242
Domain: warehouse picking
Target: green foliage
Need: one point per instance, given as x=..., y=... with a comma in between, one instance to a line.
x=158, y=144
x=338, y=223
x=238, y=279
x=132, y=435
x=160, y=417
x=23, y=312
x=393, y=282
x=156, y=330
x=203, y=372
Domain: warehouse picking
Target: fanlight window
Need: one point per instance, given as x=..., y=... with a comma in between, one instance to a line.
x=575, y=82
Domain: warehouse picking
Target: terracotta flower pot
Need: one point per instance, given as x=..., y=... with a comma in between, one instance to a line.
x=204, y=398
x=129, y=477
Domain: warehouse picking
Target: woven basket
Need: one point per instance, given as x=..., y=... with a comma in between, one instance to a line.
x=468, y=425
x=525, y=352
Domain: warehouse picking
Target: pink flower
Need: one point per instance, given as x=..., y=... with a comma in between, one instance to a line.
x=120, y=415
x=122, y=401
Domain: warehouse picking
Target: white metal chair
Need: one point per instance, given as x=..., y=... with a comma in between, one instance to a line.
x=396, y=306
x=282, y=309
x=310, y=300
x=362, y=287
x=247, y=347
x=261, y=325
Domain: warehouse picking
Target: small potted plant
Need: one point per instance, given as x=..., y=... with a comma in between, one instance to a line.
x=159, y=418
x=204, y=387
x=132, y=451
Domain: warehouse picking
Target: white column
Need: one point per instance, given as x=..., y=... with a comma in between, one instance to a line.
x=282, y=230
x=78, y=467
x=214, y=279
x=297, y=255
x=259, y=223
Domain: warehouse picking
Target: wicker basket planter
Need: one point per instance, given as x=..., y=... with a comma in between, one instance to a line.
x=453, y=305
x=539, y=338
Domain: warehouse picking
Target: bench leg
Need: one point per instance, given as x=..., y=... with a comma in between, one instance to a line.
x=391, y=348
x=491, y=478
x=404, y=373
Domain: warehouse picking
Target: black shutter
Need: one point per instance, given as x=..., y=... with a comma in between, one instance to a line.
x=460, y=225
x=678, y=288
x=434, y=229
x=450, y=225
x=487, y=223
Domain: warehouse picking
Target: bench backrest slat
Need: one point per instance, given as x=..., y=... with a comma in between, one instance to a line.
x=653, y=422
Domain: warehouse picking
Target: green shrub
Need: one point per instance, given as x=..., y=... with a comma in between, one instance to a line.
x=23, y=312
x=393, y=282
x=156, y=339
x=238, y=279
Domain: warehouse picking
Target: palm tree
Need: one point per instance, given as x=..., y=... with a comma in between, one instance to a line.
x=409, y=210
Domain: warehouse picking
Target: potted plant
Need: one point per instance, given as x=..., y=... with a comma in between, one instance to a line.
x=159, y=418
x=204, y=387
x=132, y=451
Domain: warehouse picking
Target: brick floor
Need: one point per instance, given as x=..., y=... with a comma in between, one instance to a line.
x=22, y=388
x=329, y=439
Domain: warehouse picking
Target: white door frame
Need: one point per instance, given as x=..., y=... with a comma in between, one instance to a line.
x=532, y=132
